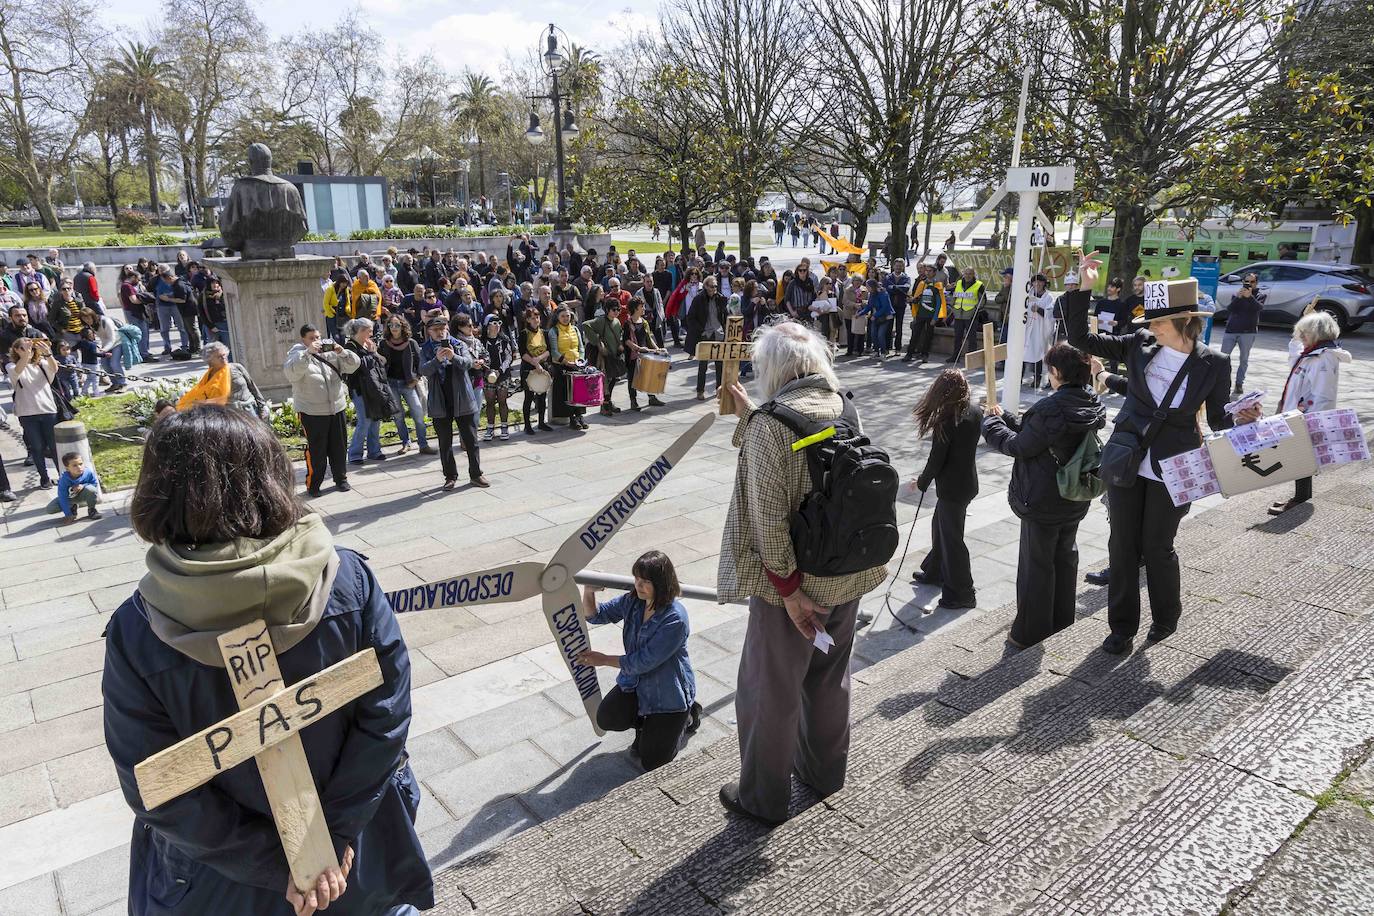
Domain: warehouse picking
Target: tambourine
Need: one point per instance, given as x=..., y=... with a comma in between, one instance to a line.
x=538, y=381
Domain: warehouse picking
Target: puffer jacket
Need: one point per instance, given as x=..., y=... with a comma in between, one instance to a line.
x=1313, y=376
x=316, y=389
x=1045, y=437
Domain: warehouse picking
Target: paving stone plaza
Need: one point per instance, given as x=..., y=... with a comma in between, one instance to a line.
x=1225, y=770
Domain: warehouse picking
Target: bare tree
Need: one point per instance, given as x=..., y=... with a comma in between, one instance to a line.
x=216, y=51
x=41, y=58
x=363, y=114
x=754, y=51
x=913, y=74
x=1152, y=79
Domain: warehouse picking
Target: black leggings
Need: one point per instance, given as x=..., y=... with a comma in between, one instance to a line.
x=657, y=735
x=540, y=402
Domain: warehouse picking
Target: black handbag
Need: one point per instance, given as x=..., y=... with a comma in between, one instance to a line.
x=1121, y=456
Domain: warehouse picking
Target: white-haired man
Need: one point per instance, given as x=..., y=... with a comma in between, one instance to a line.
x=793, y=698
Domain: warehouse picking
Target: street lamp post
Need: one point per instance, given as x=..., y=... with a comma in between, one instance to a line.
x=563, y=120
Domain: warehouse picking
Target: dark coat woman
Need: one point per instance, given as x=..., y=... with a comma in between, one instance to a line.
x=215, y=849
x=1046, y=436
x=1144, y=519
x=705, y=321
x=953, y=423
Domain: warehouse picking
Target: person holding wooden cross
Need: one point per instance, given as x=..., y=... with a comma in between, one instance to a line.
x=253, y=638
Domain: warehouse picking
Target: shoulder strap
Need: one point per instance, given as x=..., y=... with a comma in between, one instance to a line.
x=324, y=362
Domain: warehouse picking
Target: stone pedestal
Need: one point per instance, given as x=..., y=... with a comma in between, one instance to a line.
x=268, y=301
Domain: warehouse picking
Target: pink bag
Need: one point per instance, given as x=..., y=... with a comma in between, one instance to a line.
x=585, y=388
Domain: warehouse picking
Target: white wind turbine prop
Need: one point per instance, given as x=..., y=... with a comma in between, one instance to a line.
x=554, y=579
x=1028, y=184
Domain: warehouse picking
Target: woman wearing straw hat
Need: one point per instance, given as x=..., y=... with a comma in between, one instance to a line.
x=1170, y=375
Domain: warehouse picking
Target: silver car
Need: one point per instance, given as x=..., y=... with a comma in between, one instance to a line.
x=1288, y=286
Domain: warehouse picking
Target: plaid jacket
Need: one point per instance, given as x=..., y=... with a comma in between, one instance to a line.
x=770, y=482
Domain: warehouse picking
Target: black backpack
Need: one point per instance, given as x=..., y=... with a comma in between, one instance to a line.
x=379, y=401
x=848, y=522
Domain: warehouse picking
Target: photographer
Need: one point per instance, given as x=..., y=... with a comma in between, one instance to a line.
x=316, y=370
x=448, y=363
x=31, y=373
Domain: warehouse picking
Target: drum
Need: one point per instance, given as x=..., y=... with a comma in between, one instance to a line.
x=651, y=373
x=585, y=388
x=538, y=381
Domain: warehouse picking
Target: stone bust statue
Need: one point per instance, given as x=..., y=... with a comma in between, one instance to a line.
x=265, y=216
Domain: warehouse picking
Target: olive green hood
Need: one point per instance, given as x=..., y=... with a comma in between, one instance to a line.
x=193, y=593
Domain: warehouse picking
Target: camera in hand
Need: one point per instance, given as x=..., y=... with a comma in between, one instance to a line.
x=329, y=345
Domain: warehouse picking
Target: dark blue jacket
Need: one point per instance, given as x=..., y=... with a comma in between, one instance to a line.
x=655, y=666
x=215, y=849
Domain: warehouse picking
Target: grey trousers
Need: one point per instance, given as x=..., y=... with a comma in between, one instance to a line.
x=792, y=703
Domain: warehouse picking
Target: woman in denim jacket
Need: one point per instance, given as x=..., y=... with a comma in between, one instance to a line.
x=655, y=691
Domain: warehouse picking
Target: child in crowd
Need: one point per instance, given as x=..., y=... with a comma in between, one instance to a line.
x=90, y=361
x=77, y=486
x=66, y=375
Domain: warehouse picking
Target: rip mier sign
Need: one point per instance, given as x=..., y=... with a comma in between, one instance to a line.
x=266, y=729
x=730, y=352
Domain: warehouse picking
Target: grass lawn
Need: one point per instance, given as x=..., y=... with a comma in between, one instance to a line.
x=74, y=235
x=118, y=462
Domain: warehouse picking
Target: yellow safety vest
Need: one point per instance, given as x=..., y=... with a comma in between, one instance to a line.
x=966, y=299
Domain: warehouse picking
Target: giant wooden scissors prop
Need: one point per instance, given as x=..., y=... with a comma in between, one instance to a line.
x=555, y=579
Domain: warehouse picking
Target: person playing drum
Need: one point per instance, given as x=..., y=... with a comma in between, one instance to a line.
x=639, y=339
x=569, y=351
x=534, y=368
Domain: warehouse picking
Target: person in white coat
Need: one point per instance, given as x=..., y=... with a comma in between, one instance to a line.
x=1040, y=327
x=1314, y=360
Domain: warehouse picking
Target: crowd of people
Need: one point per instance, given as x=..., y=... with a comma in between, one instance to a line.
x=454, y=328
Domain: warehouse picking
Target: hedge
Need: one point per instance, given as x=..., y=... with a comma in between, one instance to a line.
x=446, y=232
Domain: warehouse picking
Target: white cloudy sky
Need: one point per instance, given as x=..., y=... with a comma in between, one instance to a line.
x=475, y=34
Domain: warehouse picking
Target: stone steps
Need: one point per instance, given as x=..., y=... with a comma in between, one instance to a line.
x=980, y=782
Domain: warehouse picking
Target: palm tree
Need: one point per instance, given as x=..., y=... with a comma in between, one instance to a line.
x=477, y=108
x=146, y=82
x=583, y=74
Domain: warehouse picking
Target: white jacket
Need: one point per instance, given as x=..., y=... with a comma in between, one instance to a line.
x=316, y=389
x=1313, y=378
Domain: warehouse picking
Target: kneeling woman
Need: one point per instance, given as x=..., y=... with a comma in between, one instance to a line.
x=216, y=501
x=655, y=691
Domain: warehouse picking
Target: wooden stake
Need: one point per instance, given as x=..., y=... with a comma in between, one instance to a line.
x=267, y=728
x=730, y=352
x=987, y=359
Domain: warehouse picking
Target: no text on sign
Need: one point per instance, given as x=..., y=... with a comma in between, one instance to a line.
x=1040, y=178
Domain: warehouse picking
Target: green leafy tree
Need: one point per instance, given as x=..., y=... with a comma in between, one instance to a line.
x=1309, y=137
x=649, y=164
x=1148, y=80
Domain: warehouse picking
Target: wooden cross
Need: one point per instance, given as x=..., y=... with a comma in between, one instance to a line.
x=987, y=359
x=731, y=351
x=266, y=727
